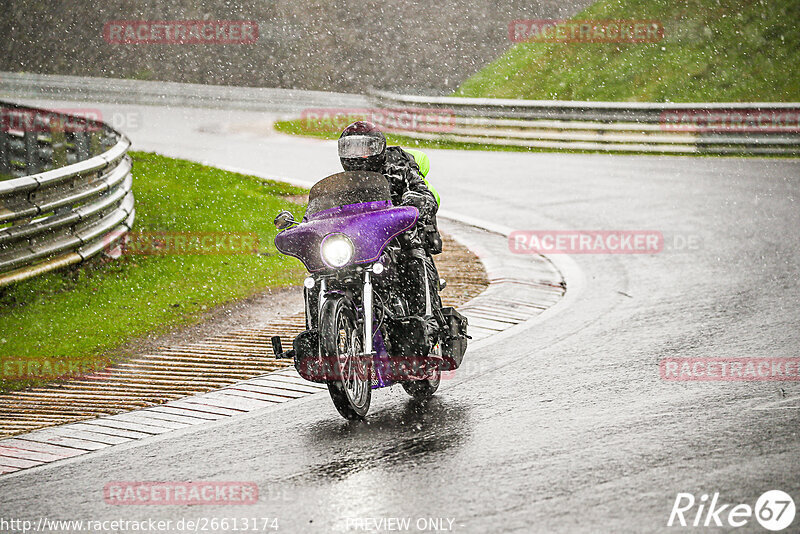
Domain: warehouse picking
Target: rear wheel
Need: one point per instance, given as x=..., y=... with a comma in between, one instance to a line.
x=342, y=345
x=425, y=388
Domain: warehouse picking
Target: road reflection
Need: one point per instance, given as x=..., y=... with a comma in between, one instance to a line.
x=396, y=436
x=366, y=467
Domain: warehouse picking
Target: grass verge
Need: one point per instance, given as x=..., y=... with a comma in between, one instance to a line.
x=711, y=51
x=326, y=130
x=323, y=130
x=79, y=315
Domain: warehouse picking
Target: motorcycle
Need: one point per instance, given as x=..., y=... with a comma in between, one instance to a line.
x=360, y=334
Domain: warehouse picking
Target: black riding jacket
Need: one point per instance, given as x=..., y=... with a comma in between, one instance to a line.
x=402, y=172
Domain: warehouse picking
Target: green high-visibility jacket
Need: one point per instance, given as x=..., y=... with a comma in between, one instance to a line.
x=424, y=165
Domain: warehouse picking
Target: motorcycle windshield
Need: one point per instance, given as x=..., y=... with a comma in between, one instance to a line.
x=344, y=188
x=355, y=204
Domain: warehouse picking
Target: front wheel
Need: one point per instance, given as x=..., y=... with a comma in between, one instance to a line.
x=425, y=388
x=341, y=344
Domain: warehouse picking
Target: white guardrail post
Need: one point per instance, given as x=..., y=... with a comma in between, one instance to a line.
x=65, y=190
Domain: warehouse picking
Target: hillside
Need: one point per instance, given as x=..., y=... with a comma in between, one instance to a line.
x=711, y=50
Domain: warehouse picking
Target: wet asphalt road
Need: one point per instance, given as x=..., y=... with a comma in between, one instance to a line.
x=565, y=427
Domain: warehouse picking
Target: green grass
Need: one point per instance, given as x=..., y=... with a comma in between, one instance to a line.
x=712, y=51
x=324, y=131
x=327, y=130
x=81, y=315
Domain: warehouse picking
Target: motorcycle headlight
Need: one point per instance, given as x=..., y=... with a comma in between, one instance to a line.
x=337, y=250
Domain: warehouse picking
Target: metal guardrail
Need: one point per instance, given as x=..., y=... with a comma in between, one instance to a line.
x=157, y=93
x=594, y=126
x=65, y=190
x=547, y=124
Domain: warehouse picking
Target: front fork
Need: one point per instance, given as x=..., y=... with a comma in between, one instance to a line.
x=367, y=300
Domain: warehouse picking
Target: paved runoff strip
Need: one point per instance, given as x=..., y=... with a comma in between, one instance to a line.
x=521, y=287
x=173, y=372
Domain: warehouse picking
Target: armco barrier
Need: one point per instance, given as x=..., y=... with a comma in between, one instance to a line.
x=606, y=126
x=65, y=190
x=159, y=93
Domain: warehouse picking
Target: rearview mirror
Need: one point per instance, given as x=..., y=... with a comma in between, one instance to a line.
x=284, y=220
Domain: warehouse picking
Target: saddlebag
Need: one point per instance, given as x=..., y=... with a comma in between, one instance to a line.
x=455, y=338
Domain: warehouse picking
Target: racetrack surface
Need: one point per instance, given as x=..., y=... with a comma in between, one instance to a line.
x=565, y=426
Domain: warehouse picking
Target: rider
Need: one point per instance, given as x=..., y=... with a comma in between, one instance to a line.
x=362, y=147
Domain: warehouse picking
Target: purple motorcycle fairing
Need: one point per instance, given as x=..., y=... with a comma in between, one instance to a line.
x=369, y=225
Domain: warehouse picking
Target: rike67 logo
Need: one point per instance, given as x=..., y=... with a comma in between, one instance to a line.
x=774, y=510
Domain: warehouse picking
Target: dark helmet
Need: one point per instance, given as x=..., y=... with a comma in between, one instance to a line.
x=362, y=147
